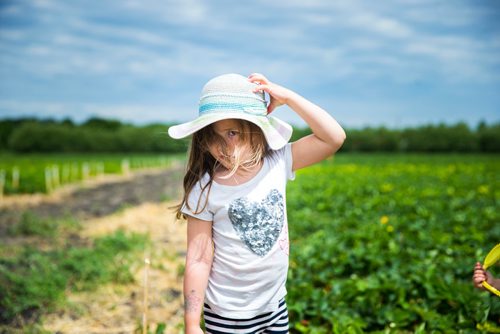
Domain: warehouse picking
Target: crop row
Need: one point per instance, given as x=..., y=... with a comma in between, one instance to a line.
x=44, y=173
x=386, y=244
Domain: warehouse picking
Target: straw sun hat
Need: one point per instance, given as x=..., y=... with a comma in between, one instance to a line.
x=231, y=96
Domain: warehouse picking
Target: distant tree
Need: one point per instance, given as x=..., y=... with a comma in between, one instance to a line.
x=101, y=123
x=7, y=126
x=489, y=137
x=371, y=139
x=427, y=138
x=299, y=133
x=461, y=138
x=37, y=137
x=68, y=122
x=102, y=135
x=161, y=141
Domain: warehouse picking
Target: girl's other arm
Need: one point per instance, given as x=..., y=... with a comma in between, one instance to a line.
x=198, y=265
x=327, y=137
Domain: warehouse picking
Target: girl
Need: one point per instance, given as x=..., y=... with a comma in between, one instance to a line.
x=234, y=201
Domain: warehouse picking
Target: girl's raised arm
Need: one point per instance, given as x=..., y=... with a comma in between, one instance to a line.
x=198, y=264
x=327, y=137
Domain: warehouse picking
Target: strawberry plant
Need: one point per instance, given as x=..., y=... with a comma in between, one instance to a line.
x=387, y=244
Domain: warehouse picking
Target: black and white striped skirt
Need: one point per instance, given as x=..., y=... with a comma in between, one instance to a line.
x=272, y=322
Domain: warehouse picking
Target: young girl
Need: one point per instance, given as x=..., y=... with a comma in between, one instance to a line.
x=234, y=201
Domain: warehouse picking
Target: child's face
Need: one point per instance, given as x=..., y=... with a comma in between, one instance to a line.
x=229, y=130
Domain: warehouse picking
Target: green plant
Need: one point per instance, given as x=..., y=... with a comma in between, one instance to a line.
x=35, y=280
x=386, y=244
x=36, y=171
x=31, y=225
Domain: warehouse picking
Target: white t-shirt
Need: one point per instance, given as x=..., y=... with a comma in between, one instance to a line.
x=250, y=235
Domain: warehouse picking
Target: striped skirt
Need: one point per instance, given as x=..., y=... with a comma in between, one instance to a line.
x=272, y=322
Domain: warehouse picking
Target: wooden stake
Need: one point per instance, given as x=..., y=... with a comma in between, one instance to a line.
x=15, y=178
x=100, y=169
x=85, y=171
x=125, y=167
x=55, y=176
x=66, y=174
x=74, y=172
x=48, y=179
x=145, y=299
x=2, y=183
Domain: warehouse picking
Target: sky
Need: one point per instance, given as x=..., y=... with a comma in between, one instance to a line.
x=387, y=63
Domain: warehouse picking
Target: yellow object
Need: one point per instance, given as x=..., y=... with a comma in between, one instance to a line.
x=491, y=289
x=492, y=257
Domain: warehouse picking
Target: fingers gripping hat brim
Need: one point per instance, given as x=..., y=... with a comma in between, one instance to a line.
x=232, y=96
x=276, y=132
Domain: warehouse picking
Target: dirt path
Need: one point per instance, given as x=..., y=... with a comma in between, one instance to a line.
x=136, y=203
x=119, y=309
x=96, y=198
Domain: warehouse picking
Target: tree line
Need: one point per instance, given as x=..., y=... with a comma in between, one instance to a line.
x=97, y=135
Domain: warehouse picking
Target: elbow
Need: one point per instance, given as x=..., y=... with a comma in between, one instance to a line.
x=202, y=260
x=341, y=138
x=198, y=265
x=337, y=142
x=200, y=257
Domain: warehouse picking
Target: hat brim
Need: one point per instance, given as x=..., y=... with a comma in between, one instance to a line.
x=276, y=131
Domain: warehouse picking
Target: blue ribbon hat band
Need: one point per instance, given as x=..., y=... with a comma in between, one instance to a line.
x=250, y=104
x=256, y=110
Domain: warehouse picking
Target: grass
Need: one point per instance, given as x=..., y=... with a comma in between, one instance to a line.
x=34, y=280
x=31, y=225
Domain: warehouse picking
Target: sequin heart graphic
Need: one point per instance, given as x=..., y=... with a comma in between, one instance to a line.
x=258, y=224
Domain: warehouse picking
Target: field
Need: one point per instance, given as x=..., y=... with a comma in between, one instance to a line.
x=387, y=244
x=379, y=244
x=73, y=261
x=34, y=173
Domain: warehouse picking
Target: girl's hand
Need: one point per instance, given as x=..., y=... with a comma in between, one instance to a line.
x=278, y=94
x=327, y=134
x=480, y=275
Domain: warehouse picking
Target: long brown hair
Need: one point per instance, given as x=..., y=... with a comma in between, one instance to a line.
x=201, y=162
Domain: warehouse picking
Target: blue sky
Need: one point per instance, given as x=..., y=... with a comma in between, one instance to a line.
x=394, y=63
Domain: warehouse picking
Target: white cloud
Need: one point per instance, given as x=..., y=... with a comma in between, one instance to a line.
x=38, y=50
x=385, y=26
x=187, y=12
x=81, y=111
x=137, y=46
x=11, y=34
x=447, y=14
x=45, y=4
x=10, y=9
x=459, y=58
x=365, y=44
x=103, y=32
